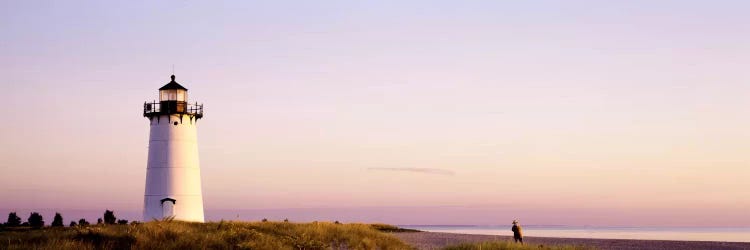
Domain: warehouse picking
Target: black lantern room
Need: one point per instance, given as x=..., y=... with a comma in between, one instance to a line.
x=173, y=99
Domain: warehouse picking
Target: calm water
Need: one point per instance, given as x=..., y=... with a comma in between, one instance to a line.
x=738, y=234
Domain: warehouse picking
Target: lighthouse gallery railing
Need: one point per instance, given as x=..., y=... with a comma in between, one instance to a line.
x=172, y=107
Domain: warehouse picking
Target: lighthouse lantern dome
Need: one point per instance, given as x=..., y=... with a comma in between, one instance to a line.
x=173, y=91
x=173, y=100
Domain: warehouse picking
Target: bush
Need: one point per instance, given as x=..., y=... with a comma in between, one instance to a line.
x=73, y=224
x=109, y=217
x=13, y=220
x=82, y=222
x=35, y=220
x=391, y=228
x=57, y=221
x=99, y=221
x=122, y=222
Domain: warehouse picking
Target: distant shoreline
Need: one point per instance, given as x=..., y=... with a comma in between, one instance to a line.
x=434, y=240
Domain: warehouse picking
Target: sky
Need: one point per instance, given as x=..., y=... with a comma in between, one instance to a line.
x=405, y=112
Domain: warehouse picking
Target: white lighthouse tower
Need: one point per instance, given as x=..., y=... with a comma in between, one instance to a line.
x=173, y=176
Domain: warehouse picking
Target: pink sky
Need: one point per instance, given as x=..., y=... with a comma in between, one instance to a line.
x=577, y=113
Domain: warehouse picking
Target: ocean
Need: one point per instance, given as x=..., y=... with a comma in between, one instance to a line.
x=730, y=234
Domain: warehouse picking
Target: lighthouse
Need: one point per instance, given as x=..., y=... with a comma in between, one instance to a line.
x=173, y=176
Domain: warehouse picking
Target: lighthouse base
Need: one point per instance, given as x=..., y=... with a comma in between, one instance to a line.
x=177, y=207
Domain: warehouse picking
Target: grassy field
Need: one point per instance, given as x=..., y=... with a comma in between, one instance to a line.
x=216, y=235
x=226, y=235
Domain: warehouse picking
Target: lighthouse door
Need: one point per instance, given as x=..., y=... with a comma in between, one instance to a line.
x=167, y=206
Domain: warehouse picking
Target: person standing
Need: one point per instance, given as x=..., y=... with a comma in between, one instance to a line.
x=517, y=235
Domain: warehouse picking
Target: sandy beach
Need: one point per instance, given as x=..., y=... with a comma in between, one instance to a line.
x=429, y=240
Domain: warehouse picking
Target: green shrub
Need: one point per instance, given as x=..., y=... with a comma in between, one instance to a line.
x=109, y=217
x=57, y=221
x=390, y=228
x=36, y=221
x=13, y=220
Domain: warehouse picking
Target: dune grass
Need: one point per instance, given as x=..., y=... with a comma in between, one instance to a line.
x=506, y=245
x=215, y=235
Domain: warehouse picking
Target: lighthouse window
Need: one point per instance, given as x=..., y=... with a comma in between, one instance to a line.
x=168, y=95
x=181, y=95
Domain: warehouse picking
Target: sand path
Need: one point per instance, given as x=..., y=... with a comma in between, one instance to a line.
x=428, y=240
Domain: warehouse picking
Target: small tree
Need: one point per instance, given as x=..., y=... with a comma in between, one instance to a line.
x=36, y=220
x=109, y=217
x=99, y=221
x=13, y=220
x=58, y=221
x=264, y=220
x=83, y=222
x=122, y=222
x=286, y=220
x=73, y=224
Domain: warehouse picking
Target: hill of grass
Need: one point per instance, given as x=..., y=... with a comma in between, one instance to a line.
x=215, y=235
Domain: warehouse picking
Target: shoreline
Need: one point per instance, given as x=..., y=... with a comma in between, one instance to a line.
x=436, y=240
